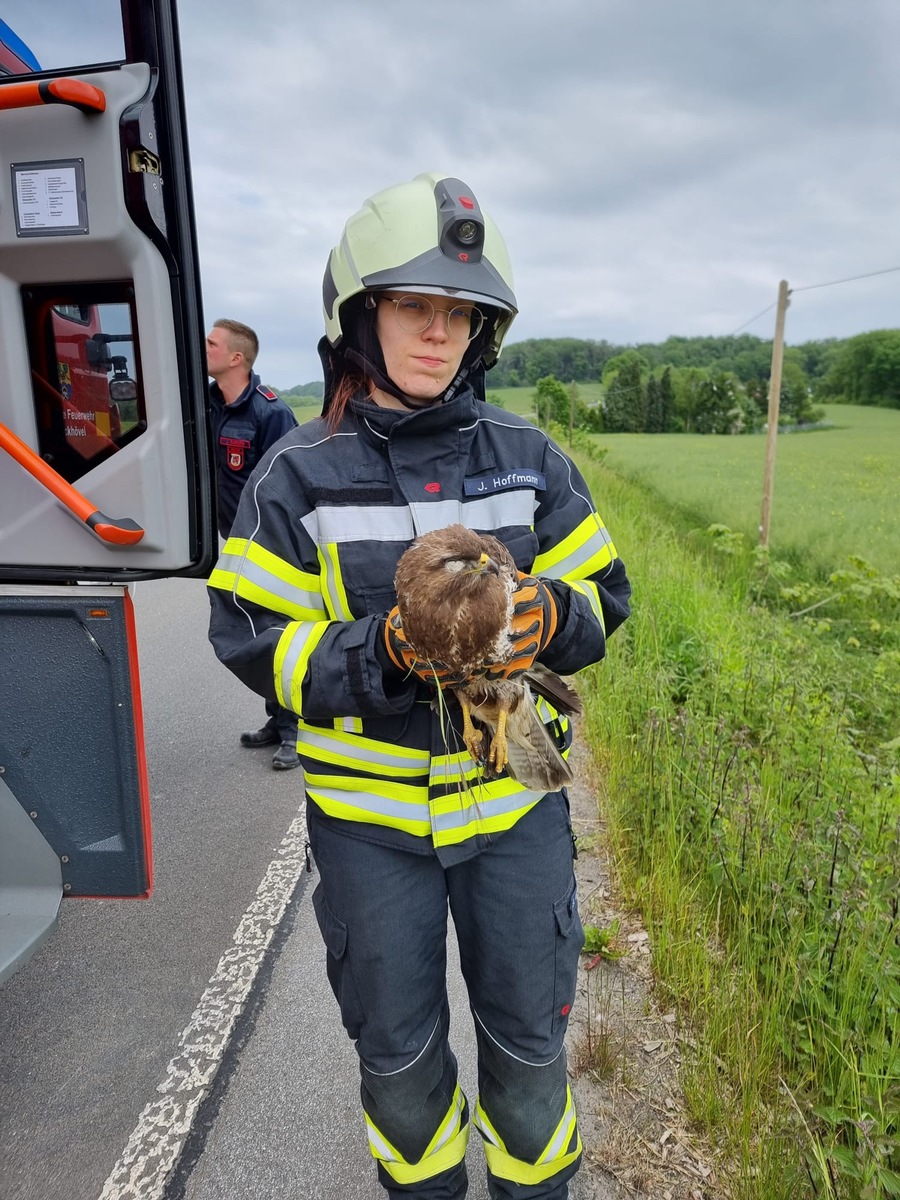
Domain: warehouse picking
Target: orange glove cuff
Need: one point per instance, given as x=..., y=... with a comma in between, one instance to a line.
x=403, y=656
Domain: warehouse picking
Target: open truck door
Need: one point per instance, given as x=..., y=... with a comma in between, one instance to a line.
x=105, y=467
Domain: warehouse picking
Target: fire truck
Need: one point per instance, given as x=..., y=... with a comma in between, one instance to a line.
x=105, y=464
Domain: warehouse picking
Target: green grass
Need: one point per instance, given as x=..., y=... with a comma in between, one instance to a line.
x=755, y=820
x=521, y=400
x=835, y=493
x=305, y=409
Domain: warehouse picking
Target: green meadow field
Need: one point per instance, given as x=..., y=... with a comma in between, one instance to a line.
x=836, y=491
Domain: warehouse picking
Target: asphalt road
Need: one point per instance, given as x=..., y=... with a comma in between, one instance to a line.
x=188, y=1046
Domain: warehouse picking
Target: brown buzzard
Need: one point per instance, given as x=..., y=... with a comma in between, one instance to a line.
x=455, y=599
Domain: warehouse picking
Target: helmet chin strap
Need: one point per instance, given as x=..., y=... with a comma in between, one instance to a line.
x=385, y=384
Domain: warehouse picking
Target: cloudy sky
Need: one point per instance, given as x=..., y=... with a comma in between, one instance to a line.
x=656, y=166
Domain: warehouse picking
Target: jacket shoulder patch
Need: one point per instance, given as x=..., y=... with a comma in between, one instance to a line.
x=266, y=391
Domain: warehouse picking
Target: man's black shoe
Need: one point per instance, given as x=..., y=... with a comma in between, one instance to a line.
x=260, y=737
x=285, y=757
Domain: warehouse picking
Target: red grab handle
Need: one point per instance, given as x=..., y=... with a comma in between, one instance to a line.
x=83, y=96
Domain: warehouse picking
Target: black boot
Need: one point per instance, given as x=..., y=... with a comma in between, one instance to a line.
x=285, y=757
x=267, y=736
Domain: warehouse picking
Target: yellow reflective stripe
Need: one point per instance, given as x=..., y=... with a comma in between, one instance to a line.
x=450, y=1125
x=449, y=770
x=333, y=583
x=372, y=801
x=562, y=1135
x=446, y=1149
x=588, y=588
x=554, y=1159
x=360, y=753
x=485, y=1128
x=548, y=713
x=253, y=573
x=586, y=550
x=292, y=654
x=483, y=808
x=348, y=724
x=221, y=579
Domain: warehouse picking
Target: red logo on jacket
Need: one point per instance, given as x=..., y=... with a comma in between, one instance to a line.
x=432, y=487
x=235, y=449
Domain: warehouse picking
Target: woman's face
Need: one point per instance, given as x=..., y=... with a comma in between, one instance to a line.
x=421, y=364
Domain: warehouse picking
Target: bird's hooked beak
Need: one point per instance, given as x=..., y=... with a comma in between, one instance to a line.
x=486, y=565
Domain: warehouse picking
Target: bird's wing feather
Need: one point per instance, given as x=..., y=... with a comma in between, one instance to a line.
x=534, y=759
x=553, y=688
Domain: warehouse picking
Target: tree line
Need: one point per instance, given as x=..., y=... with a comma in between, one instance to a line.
x=696, y=384
x=702, y=384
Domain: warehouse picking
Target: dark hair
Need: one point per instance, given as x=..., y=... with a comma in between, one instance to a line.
x=351, y=384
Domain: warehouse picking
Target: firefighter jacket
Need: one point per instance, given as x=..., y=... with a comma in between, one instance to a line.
x=302, y=587
x=242, y=433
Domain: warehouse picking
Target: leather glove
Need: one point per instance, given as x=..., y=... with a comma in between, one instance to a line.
x=533, y=625
x=402, y=655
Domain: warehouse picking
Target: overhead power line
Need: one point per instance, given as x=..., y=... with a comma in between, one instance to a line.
x=756, y=318
x=851, y=279
x=811, y=287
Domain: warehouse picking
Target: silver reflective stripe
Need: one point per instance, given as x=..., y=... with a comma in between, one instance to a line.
x=502, y=509
x=483, y=810
x=572, y=562
x=366, y=802
x=452, y=1127
x=485, y=1129
x=588, y=589
x=245, y=569
x=453, y=771
x=379, y=1146
x=332, y=583
x=389, y=523
x=497, y=511
x=292, y=657
x=311, y=524
x=357, y=751
x=564, y=1134
x=400, y=523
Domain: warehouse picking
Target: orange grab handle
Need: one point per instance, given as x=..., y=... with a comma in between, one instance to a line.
x=116, y=531
x=83, y=96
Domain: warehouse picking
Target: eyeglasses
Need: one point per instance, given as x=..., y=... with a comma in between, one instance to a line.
x=415, y=313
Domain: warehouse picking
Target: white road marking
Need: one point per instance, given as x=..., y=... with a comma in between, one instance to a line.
x=153, y=1148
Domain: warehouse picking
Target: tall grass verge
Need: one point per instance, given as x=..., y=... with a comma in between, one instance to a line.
x=754, y=808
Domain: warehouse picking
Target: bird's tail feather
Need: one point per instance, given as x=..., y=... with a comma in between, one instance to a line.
x=534, y=758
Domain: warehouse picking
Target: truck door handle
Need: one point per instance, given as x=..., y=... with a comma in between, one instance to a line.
x=115, y=531
x=74, y=92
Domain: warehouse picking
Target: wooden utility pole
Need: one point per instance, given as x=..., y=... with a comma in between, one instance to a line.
x=774, y=408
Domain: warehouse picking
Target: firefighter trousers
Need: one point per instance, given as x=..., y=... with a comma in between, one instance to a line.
x=282, y=721
x=383, y=915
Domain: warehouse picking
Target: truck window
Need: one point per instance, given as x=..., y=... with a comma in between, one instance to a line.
x=32, y=41
x=85, y=373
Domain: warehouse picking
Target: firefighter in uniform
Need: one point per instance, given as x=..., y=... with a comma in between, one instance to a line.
x=418, y=298
x=246, y=418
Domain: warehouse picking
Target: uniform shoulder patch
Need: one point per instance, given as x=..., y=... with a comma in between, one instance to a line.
x=266, y=391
